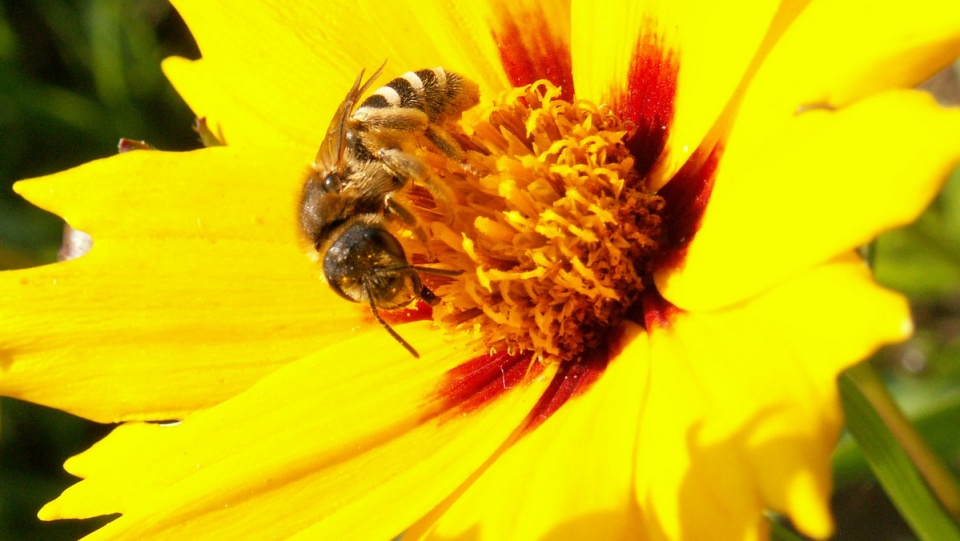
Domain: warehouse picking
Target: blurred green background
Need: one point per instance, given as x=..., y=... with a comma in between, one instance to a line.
x=75, y=76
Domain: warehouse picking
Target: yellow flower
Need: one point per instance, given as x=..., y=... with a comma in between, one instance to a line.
x=777, y=137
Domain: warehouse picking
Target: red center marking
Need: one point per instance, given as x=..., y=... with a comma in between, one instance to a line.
x=657, y=311
x=648, y=100
x=533, y=52
x=420, y=312
x=686, y=197
x=481, y=380
x=575, y=378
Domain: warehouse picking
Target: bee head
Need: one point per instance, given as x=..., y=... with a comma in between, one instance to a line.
x=367, y=263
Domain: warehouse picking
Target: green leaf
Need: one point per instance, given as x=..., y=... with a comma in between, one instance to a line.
x=779, y=532
x=936, y=422
x=923, y=259
x=914, y=477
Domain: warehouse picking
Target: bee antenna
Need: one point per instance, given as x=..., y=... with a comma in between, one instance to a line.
x=373, y=77
x=436, y=271
x=393, y=333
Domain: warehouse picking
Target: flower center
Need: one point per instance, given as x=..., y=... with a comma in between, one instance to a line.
x=548, y=220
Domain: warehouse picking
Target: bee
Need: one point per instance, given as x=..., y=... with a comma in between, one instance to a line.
x=364, y=160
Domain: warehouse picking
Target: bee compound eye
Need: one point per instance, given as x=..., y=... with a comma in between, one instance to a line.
x=332, y=183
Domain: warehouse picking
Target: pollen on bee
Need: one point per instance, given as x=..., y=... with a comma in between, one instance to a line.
x=548, y=220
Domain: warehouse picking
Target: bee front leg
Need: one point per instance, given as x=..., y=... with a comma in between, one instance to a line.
x=441, y=139
x=393, y=207
x=407, y=167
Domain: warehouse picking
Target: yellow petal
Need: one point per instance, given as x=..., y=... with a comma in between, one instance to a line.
x=829, y=183
x=481, y=40
x=572, y=477
x=277, y=68
x=273, y=67
x=742, y=411
x=838, y=52
x=213, y=194
x=356, y=441
x=670, y=67
x=230, y=116
x=197, y=285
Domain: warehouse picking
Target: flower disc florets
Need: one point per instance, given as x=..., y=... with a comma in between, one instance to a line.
x=547, y=218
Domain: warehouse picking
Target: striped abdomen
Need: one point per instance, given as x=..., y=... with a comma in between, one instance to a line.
x=437, y=93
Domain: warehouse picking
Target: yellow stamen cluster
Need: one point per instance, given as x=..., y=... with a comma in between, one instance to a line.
x=548, y=220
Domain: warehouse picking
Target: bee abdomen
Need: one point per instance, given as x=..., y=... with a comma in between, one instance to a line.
x=401, y=92
x=446, y=93
x=436, y=92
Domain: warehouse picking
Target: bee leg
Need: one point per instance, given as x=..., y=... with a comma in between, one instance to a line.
x=389, y=329
x=442, y=141
x=403, y=165
x=398, y=210
x=407, y=217
x=406, y=167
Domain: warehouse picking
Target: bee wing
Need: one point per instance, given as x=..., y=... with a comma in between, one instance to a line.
x=330, y=155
